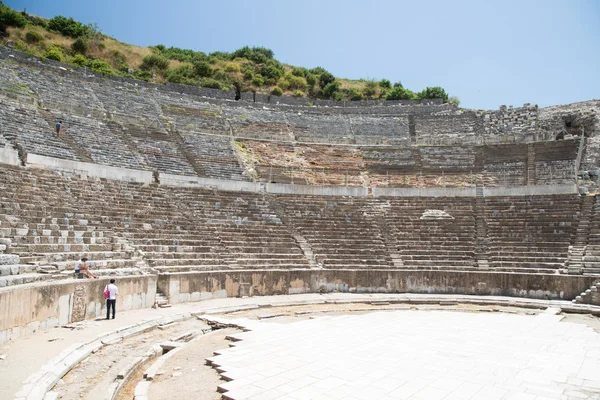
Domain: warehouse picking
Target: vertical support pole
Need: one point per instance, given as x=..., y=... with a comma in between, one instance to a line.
x=292, y=174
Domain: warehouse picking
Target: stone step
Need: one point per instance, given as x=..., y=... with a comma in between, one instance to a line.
x=12, y=280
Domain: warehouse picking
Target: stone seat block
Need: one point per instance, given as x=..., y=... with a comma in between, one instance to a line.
x=447, y=262
x=53, y=258
x=440, y=267
x=57, y=248
x=67, y=239
x=173, y=249
x=448, y=257
x=526, y=258
x=526, y=264
x=327, y=265
x=291, y=249
x=15, y=269
x=467, y=252
x=524, y=269
x=120, y=271
x=12, y=280
x=270, y=261
x=184, y=261
x=96, y=265
x=189, y=268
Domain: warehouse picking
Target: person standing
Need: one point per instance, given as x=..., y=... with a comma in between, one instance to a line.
x=111, y=300
x=58, y=128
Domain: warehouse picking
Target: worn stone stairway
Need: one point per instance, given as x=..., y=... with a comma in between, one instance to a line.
x=574, y=263
x=531, y=171
x=591, y=259
x=79, y=151
x=589, y=296
x=480, y=231
x=160, y=300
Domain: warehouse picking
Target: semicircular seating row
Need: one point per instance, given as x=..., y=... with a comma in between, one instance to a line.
x=126, y=228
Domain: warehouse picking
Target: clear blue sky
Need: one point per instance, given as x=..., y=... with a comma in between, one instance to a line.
x=487, y=53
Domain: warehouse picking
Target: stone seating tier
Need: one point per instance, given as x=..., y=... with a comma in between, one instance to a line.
x=56, y=219
x=150, y=127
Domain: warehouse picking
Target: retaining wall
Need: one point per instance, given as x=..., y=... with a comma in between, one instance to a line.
x=25, y=309
x=196, y=286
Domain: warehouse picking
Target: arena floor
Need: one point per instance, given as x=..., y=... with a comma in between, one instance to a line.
x=411, y=354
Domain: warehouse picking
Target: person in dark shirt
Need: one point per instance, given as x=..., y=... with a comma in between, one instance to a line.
x=58, y=128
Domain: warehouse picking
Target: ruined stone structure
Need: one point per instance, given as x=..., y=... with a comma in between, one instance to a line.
x=192, y=195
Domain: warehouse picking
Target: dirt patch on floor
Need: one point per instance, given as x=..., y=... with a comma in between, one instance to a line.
x=186, y=375
x=91, y=378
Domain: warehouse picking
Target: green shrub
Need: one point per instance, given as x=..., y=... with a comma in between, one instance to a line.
x=230, y=67
x=259, y=55
x=276, y=91
x=33, y=37
x=54, y=52
x=221, y=75
x=202, y=68
x=325, y=79
x=283, y=84
x=219, y=55
x=399, y=93
x=271, y=71
x=143, y=75
x=249, y=75
x=154, y=62
x=37, y=21
x=454, y=100
x=10, y=17
x=317, y=70
x=119, y=59
x=296, y=82
x=435, y=92
x=338, y=96
x=385, y=83
x=80, y=45
x=311, y=79
x=100, y=66
x=211, y=83
x=398, y=84
x=80, y=60
x=331, y=89
x=175, y=53
x=354, y=94
x=183, y=74
x=258, y=81
x=299, y=71
x=298, y=93
x=370, y=88
x=67, y=26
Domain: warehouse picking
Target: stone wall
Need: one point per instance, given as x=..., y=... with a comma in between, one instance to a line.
x=196, y=286
x=507, y=120
x=25, y=309
x=569, y=119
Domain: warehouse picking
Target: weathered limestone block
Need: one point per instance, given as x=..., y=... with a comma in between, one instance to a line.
x=9, y=259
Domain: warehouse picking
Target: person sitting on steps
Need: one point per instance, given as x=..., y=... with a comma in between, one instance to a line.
x=82, y=270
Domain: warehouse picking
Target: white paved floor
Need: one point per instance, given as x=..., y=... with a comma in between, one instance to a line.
x=426, y=355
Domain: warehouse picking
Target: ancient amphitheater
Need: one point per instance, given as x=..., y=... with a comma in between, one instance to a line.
x=364, y=250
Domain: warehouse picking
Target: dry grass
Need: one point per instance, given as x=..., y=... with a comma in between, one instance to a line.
x=132, y=55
